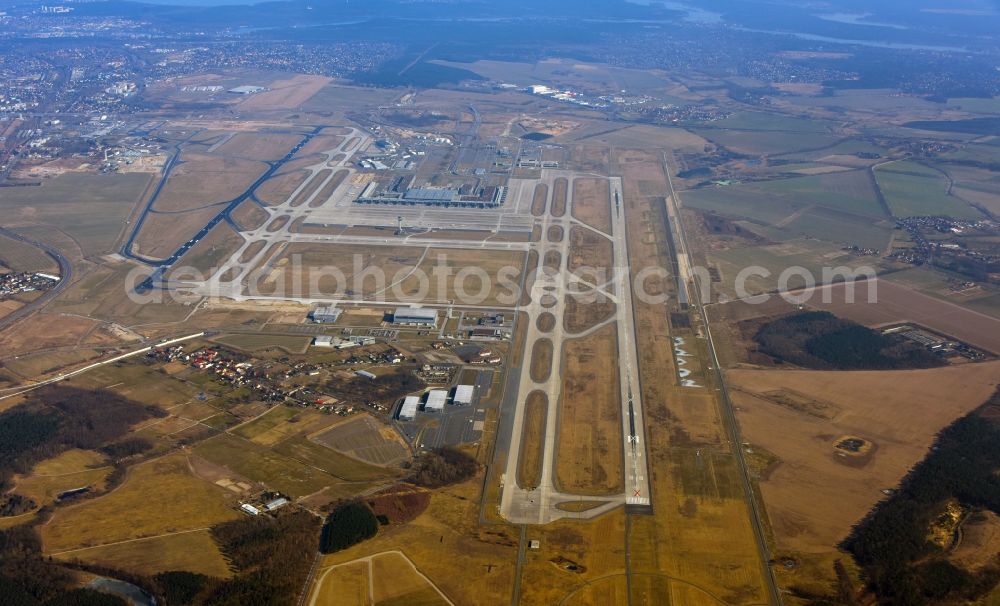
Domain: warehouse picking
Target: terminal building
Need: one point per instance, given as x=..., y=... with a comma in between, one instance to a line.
x=492, y=196
x=415, y=316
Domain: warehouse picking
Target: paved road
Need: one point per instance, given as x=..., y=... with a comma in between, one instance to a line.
x=756, y=516
x=65, y=274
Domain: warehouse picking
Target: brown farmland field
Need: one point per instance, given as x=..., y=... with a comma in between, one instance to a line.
x=555, y=233
x=591, y=203
x=529, y=466
x=816, y=492
x=896, y=303
x=589, y=451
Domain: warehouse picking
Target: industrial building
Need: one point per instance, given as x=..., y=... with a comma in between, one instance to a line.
x=325, y=314
x=463, y=395
x=415, y=316
x=436, y=399
x=408, y=410
x=323, y=341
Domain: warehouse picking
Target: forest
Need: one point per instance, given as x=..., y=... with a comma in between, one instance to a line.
x=891, y=544
x=822, y=341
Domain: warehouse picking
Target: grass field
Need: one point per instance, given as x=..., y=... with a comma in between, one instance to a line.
x=405, y=272
x=272, y=427
x=366, y=439
x=582, y=313
x=89, y=209
x=280, y=186
x=560, y=189
x=541, y=360
x=200, y=180
x=249, y=215
x=590, y=255
x=449, y=526
x=913, y=189
x=539, y=199
x=397, y=583
x=71, y=469
x=588, y=448
x=161, y=497
x=194, y=551
x=592, y=203
x=19, y=256
x=529, y=466
x=260, y=464
x=345, y=585
x=263, y=342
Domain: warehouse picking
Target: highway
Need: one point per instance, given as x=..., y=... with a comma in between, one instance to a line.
x=725, y=404
x=65, y=274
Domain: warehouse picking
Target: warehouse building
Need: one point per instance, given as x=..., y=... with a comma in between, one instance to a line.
x=463, y=395
x=408, y=410
x=415, y=316
x=436, y=399
x=325, y=314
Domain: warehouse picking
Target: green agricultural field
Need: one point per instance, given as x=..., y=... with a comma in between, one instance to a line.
x=914, y=190
x=89, y=208
x=761, y=121
x=840, y=208
x=776, y=258
x=767, y=142
x=849, y=191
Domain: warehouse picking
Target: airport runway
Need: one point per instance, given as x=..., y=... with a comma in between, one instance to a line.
x=540, y=504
